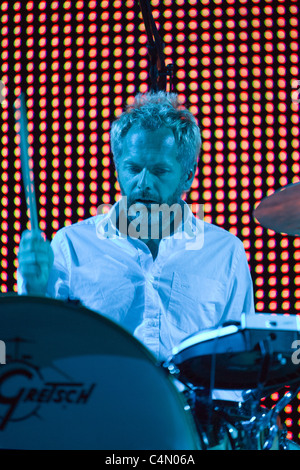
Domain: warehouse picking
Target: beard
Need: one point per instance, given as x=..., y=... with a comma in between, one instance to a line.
x=152, y=220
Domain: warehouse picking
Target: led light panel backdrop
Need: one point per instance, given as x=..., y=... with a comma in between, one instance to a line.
x=236, y=67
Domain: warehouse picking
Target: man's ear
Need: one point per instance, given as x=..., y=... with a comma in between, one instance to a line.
x=190, y=175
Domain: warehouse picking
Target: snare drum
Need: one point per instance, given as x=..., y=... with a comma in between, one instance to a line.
x=231, y=359
x=75, y=380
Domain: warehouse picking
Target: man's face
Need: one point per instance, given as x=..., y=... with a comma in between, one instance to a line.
x=148, y=171
x=151, y=178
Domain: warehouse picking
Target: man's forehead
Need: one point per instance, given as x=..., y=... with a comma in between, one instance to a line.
x=140, y=159
x=157, y=145
x=139, y=135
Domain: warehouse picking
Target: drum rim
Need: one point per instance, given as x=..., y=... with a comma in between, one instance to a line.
x=79, y=308
x=202, y=336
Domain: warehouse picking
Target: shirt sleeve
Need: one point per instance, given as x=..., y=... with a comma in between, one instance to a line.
x=59, y=279
x=240, y=298
x=21, y=284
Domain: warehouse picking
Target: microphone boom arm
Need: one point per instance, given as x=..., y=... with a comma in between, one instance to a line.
x=160, y=74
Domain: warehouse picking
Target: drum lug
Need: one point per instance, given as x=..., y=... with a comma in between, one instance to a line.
x=173, y=370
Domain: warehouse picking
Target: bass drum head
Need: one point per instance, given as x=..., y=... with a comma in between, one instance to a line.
x=75, y=380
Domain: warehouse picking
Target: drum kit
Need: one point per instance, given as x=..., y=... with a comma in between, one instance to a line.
x=73, y=379
x=228, y=371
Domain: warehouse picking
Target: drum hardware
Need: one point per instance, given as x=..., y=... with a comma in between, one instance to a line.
x=253, y=357
x=270, y=421
x=263, y=430
x=243, y=425
x=213, y=430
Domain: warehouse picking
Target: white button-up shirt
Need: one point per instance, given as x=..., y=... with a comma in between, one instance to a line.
x=199, y=279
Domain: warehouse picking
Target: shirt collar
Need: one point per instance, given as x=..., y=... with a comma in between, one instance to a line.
x=191, y=228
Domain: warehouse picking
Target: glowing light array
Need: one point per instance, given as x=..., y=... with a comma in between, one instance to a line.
x=236, y=67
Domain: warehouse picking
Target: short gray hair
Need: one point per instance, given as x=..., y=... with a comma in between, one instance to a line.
x=151, y=111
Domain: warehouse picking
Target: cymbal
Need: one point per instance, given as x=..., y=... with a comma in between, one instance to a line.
x=281, y=211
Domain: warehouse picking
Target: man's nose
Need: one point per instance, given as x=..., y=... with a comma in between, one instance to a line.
x=144, y=181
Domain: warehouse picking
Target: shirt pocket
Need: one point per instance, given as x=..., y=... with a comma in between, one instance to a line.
x=196, y=303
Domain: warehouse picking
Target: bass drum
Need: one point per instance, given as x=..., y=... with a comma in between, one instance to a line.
x=75, y=380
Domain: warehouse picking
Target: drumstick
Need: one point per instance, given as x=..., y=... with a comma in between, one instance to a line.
x=27, y=171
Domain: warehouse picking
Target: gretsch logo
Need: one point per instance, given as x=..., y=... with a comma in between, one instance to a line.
x=24, y=392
